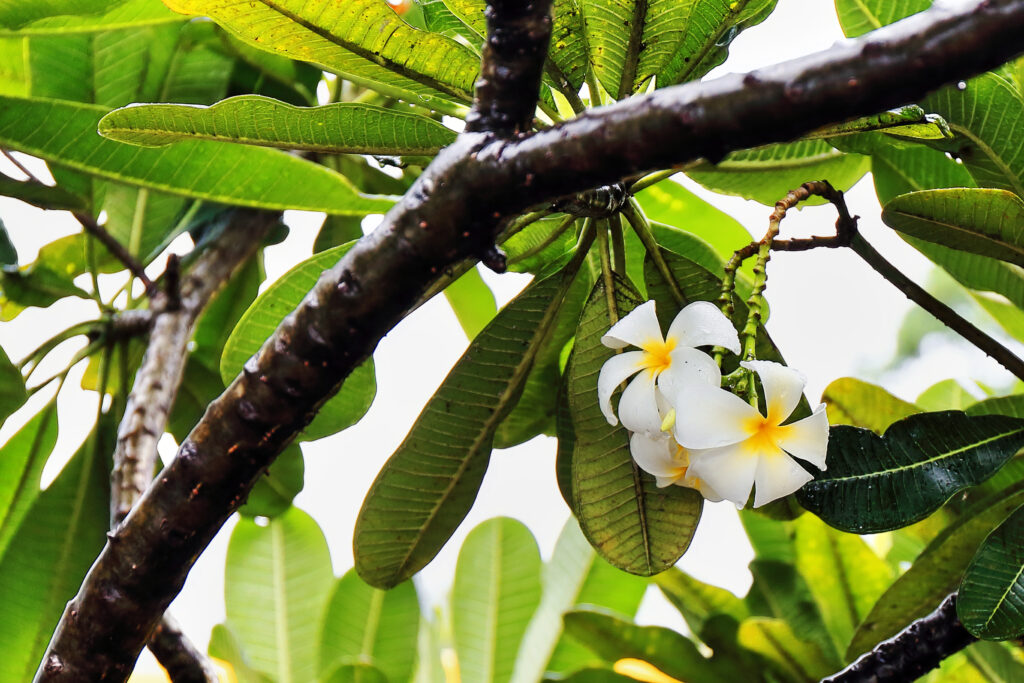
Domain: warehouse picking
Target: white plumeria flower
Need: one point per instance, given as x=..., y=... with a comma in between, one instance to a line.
x=745, y=449
x=665, y=363
x=669, y=463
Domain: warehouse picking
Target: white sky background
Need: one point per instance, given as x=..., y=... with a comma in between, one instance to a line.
x=831, y=316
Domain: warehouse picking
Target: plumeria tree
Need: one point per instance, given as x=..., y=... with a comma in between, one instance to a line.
x=540, y=138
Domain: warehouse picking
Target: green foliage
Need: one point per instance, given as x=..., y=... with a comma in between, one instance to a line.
x=21, y=464
x=991, y=596
x=445, y=456
x=340, y=128
x=370, y=626
x=878, y=483
x=850, y=401
x=275, y=587
x=472, y=301
x=497, y=587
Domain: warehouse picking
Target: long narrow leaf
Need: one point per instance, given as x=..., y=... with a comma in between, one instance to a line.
x=991, y=599
x=428, y=485
x=21, y=464
x=340, y=128
x=65, y=133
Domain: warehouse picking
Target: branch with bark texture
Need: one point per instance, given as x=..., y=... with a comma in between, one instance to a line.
x=453, y=211
x=912, y=652
x=173, y=319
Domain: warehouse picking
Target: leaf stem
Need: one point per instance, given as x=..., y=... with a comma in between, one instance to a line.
x=634, y=214
x=606, y=271
x=618, y=245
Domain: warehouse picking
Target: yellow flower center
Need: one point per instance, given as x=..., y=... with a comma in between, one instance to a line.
x=764, y=436
x=658, y=355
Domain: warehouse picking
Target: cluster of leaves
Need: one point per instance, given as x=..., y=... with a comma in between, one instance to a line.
x=369, y=96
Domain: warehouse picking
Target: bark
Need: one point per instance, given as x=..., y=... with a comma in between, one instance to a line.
x=454, y=211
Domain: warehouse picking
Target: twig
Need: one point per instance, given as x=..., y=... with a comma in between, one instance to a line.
x=21, y=167
x=116, y=248
x=178, y=656
x=455, y=208
x=518, y=33
x=911, y=653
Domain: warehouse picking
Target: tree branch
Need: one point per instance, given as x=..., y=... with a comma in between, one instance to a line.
x=178, y=656
x=119, y=251
x=518, y=33
x=912, y=652
x=453, y=211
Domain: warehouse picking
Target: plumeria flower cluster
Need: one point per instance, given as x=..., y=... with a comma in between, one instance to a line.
x=687, y=430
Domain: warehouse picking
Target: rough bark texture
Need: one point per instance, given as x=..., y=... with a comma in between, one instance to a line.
x=911, y=653
x=178, y=656
x=159, y=375
x=454, y=211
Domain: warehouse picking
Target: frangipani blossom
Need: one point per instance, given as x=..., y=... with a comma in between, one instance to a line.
x=740, y=448
x=666, y=363
x=668, y=462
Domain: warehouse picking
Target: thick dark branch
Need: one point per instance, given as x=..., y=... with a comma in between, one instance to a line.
x=455, y=210
x=178, y=656
x=159, y=375
x=518, y=33
x=912, y=652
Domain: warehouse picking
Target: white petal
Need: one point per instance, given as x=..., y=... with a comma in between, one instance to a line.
x=783, y=388
x=639, y=327
x=614, y=372
x=807, y=439
x=729, y=471
x=638, y=407
x=654, y=456
x=702, y=324
x=708, y=417
x=777, y=476
x=695, y=482
x=688, y=366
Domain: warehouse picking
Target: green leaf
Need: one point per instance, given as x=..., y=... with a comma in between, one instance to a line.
x=224, y=646
x=766, y=174
x=65, y=133
x=15, y=78
x=797, y=660
x=277, y=487
x=21, y=465
x=671, y=203
x=340, y=128
x=697, y=601
x=371, y=626
x=907, y=122
x=12, y=388
x=881, y=483
x=858, y=17
x=438, y=18
x=843, y=574
x=988, y=119
x=850, y=401
x=540, y=244
x=8, y=252
x=276, y=583
x=355, y=672
x=575, y=575
x=535, y=411
x=53, y=548
x=14, y=15
x=363, y=41
x=613, y=639
x=496, y=590
x=34, y=285
x=997, y=663
x=117, y=14
x=945, y=395
x=632, y=523
x=428, y=485
x=685, y=41
x=39, y=195
x=429, y=668
x=472, y=302
x=991, y=598
x=262, y=318
x=935, y=573
x=979, y=221
x=567, y=56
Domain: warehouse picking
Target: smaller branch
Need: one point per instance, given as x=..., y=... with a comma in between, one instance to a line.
x=116, y=248
x=946, y=315
x=178, y=656
x=21, y=167
x=518, y=34
x=911, y=653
